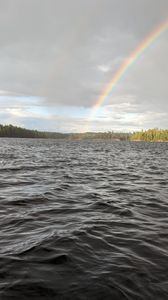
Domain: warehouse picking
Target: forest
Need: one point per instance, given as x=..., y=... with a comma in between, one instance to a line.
x=110, y=135
x=19, y=132
x=150, y=135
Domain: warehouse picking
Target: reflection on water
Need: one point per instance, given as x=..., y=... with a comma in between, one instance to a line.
x=83, y=220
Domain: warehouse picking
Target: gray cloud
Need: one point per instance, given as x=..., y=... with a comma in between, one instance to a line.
x=67, y=51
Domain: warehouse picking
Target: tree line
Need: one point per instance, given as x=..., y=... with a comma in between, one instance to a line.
x=110, y=135
x=151, y=135
x=19, y=132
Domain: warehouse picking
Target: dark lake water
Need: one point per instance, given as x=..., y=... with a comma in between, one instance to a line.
x=83, y=220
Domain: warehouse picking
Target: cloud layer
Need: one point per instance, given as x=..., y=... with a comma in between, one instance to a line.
x=63, y=53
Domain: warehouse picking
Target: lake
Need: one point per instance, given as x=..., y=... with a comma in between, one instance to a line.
x=83, y=220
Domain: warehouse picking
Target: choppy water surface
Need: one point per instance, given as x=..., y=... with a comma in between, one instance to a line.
x=83, y=220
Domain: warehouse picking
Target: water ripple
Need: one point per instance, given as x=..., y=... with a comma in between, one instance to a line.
x=83, y=220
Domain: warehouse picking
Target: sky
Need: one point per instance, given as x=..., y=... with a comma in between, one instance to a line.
x=56, y=57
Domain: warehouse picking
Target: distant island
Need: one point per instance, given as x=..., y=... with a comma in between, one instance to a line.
x=150, y=135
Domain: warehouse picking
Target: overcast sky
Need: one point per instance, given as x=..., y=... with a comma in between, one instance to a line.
x=56, y=57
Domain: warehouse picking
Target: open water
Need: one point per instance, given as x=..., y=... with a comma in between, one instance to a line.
x=83, y=220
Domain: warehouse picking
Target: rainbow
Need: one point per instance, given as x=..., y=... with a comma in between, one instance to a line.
x=132, y=58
